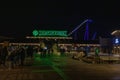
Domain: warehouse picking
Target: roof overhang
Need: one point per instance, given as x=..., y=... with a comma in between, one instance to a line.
x=116, y=33
x=31, y=37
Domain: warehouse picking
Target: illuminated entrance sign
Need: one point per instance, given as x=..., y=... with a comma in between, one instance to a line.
x=49, y=33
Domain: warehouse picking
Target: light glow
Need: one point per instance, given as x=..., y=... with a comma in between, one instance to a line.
x=46, y=33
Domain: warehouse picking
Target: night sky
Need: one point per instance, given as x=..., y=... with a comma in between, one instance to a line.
x=19, y=21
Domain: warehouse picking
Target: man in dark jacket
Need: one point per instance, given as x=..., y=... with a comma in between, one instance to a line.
x=4, y=54
x=22, y=56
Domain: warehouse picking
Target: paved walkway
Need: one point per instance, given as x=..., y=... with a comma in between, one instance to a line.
x=62, y=68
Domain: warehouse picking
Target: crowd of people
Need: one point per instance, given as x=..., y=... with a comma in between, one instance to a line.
x=11, y=56
x=16, y=55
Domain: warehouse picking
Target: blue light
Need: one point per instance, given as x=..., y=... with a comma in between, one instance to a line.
x=116, y=40
x=89, y=20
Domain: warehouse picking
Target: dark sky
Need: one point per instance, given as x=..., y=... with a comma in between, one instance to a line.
x=19, y=20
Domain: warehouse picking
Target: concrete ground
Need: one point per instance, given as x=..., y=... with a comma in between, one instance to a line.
x=61, y=68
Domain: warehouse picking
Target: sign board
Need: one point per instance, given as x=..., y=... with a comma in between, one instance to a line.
x=47, y=33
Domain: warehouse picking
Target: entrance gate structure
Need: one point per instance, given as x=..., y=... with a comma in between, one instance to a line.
x=50, y=38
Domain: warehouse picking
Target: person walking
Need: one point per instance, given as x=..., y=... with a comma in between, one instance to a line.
x=97, y=51
x=22, y=56
x=4, y=54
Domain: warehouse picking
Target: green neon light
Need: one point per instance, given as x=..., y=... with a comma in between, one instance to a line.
x=49, y=33
x=35, y=33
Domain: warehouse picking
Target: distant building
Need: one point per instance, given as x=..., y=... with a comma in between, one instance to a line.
x=116, y=33
x=106, y=45
x=116, y=41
